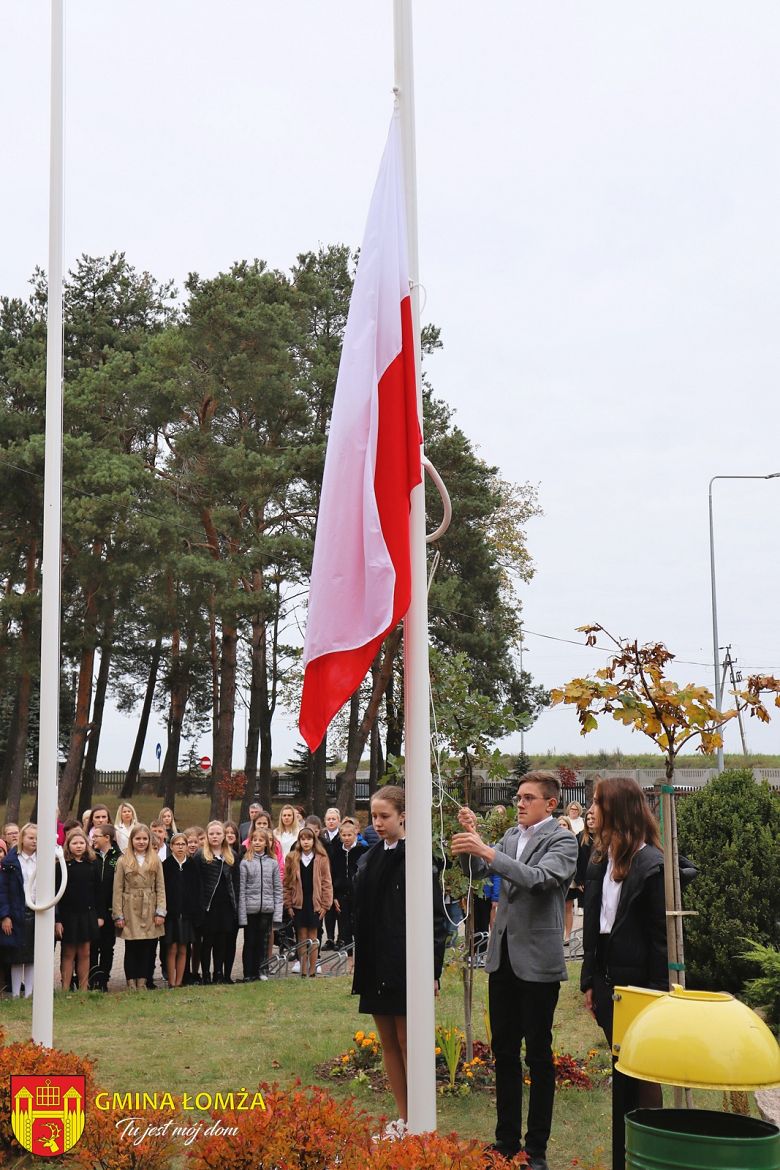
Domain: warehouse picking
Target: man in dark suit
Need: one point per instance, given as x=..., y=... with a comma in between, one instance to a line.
x=525, y=960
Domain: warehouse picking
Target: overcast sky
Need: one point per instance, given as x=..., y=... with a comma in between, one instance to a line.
x=599, y=186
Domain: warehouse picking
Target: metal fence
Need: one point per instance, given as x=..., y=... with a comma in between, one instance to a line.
x=487, y=792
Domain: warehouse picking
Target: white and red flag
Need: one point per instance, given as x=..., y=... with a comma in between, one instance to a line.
x=361, y=579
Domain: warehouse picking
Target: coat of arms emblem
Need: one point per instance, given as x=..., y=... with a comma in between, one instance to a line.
x=47, y=1113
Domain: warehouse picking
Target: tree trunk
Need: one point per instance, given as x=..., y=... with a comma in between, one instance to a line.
x=8, y=755
x=180, y=693
x=170, y=768
x=253, y=730
x=320, y=779
x=377, y=763
x=19, y=748
x=131, y=776
x=223, y=740
x=468, y=982
x=346, y=798
x=90, y=763
x=78, y=736
x=395, y=722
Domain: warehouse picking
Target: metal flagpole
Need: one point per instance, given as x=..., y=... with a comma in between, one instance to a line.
x=43, y=995
x=421, y=1017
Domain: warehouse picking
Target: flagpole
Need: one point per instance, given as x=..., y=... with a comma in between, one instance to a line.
x=43, y=995
x=421, y=1016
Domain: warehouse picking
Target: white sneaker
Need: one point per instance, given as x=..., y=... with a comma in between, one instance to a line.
x=296, y=968
x=394, y=1130
x=263, y=978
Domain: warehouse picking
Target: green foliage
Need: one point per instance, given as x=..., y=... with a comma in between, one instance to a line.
x=730, y=830
x=764, y=991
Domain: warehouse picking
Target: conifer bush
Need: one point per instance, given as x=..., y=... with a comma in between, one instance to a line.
x=731, y=831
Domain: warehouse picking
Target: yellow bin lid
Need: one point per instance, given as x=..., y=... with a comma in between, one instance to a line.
x=698, y=1039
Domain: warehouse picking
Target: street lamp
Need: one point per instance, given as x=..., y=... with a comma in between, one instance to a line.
x=715, y=647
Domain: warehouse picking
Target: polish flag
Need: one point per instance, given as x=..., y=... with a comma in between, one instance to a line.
x=361, y=577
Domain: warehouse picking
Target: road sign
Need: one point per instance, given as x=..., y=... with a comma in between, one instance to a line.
x=205, y=763
x=158, y=750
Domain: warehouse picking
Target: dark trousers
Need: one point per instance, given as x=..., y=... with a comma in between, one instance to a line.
x=256, y=932
x=346, y=927
x=627, y=1092
x=213, y=943
x=137, y=953
x=101, y=956
x=330, y=924
x=522, y=1011
x=231, y=942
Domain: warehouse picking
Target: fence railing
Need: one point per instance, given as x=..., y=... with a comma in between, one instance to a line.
x=487, y=792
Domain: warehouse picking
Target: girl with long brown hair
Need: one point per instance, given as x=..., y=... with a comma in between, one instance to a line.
x=624, y=930
x=308, y=893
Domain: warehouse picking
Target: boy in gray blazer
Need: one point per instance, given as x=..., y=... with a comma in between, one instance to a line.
x=525, y=961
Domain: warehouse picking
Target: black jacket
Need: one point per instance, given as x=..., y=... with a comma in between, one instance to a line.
x=210, y=873
x=636, y=951
x=380, y=925
x=183, y=888
x=343, y=867
x=105, y=864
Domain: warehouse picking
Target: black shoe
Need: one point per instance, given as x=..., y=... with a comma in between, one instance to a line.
x=151, y=985
x=227, y=979
x=503, y=1149
x=329, y=945
x=537, y=1161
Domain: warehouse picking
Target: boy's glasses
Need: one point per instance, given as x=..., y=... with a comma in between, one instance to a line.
x=518, y=800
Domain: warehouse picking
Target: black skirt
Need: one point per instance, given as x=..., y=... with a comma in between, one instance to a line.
x=80, y=926
x=179, y=929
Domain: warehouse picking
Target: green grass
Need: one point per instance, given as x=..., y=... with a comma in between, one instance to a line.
x=222, y=1038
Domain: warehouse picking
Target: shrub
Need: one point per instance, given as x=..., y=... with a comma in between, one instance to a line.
x=100, y=1147
x=730, y=831
x=764, y=991
x=30, y=1060
x=306, y=1129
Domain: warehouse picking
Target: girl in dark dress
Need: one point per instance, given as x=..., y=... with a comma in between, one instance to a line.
x=218, y=900
x=232, y=837
x=183, y=893
x=79, y=924
x=380, y=938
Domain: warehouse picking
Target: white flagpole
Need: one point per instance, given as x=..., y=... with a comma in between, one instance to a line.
x=421, y=1016
x=43, y=995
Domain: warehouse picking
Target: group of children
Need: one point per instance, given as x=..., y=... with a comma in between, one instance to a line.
x=184, y=893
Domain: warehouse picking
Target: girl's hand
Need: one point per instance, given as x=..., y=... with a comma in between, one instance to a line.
x=158, y=920
x=101, y=922
x=588, y=1002
x=7, y=926
x=59, y=930
x=119, y=924
x=336, y=906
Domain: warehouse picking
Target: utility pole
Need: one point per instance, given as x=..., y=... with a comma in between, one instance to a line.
x=736, y=677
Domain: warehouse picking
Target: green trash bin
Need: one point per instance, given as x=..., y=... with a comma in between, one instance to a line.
x=699, y=1139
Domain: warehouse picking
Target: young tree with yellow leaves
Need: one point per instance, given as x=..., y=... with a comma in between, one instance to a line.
x=633, y=688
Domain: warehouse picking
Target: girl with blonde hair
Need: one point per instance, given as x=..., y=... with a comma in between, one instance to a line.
x=126, y=818
x=218, y=901
x=139, y=904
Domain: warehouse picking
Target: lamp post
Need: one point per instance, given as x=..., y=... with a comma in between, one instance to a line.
x=715, y=647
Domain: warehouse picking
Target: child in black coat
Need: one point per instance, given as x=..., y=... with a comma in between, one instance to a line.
x=80, y=913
